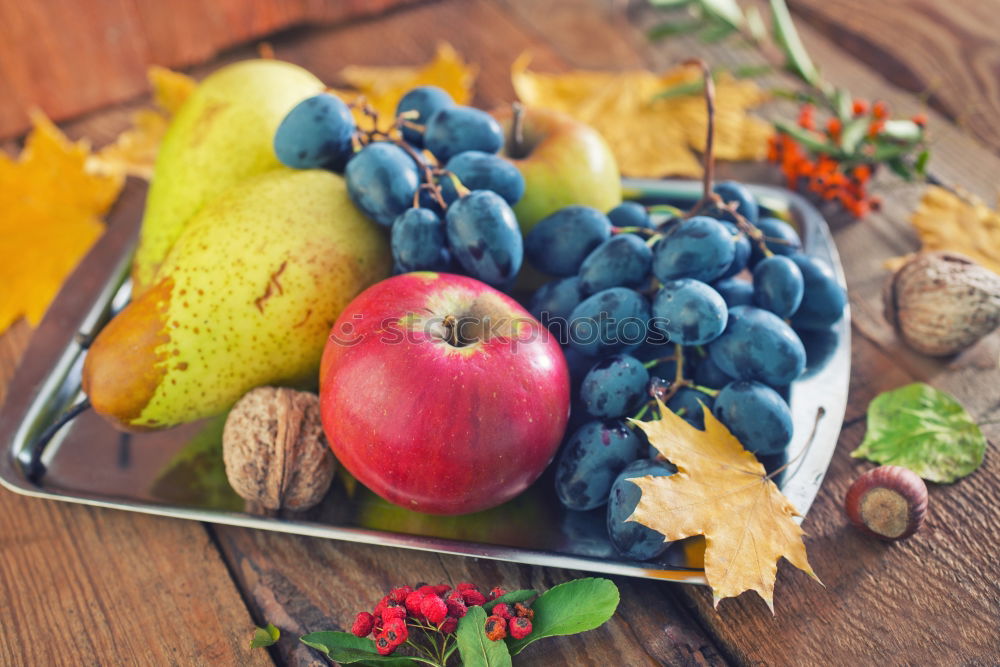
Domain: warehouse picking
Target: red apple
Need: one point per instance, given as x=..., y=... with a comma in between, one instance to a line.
x=441, y=394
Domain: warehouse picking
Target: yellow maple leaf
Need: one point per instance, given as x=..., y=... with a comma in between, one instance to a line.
x=134, y=151
x=383, y=87
x=652, y=138
x=51, y=203
x=720, y=491
x=958, y=222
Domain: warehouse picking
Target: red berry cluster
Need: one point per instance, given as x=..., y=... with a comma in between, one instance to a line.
x=436, y=610
x=843, y=179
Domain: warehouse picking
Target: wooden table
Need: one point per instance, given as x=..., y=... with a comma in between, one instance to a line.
x=88, y=586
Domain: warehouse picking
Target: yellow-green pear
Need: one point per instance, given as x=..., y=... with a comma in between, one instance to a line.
x=247, y=296
x=222, y=134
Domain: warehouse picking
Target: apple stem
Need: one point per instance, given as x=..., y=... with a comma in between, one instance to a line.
x=517, y=130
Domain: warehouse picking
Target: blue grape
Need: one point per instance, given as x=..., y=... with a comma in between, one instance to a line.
x=699, y=247
x=579, y=365
x=732, y=191
x=591, y=459
x=453, y=130
x=632, y=539
x=621, y=261
x=690, y=401
x=316, y=133
x=484, y=237
x=555, y=300
x=689, y=311
x=778, y=285
x=756, y=415
x=560, y=242
x=483, y=171
x=780, y=238
x=824, y=300
x=425, y=100
x=630, y=214
x=758, y=345
x=381, y=180
x=708, y=374
x=741, y=251
x=418, y=240
x=609, y=321
x=614, y=386
x=734, y=292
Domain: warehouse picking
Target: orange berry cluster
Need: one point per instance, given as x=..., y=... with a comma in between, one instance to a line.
x=823, y=175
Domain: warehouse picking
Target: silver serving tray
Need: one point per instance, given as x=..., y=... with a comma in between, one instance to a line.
x=178, y=473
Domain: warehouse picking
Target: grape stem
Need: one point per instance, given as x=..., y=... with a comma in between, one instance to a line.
x=661, y=360
x=820, y=412
x=428, y=174
x=709, y=155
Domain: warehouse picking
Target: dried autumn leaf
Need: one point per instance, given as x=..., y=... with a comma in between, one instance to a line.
x=960, y=223
x=383, y=87
x=134, y=151
x=51, y=203
x=652, y=137
x=720, y=491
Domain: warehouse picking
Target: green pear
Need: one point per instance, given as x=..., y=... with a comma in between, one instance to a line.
x=247, y=296
x=222, y=134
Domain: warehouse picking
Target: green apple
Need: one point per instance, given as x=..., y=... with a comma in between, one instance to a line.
x=564, y=162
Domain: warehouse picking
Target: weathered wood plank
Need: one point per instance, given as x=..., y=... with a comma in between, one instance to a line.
x=944, y=52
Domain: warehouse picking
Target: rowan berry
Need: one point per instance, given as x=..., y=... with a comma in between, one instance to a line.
x=859, y=107
x=449, y=625
x=520, y=627
x=413, y=601
x=399, y=594
x=524, y=610
x=392, y=611
x=456, y=607
x=396, y=631
x=363, y=624
x=383, y=645
x=496, y=628
x=473, y=598
x=503, y=611
x=433, y=609
x=466, y=586
x=496, y=592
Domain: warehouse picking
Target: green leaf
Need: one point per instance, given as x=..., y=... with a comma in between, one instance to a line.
x=923, y=429
x=680, y=90
x=343, y=647
x=672, y=28
x=811, y=140
x=670, y=4
x=511, y=598
x=842, y=104
x=902, y=130
x=476, y=649
x=265, y=636
x=901, y=168
x=576, y=606
x=790, y=42
x=853, y=134
x=921, y=163
x=726, y=11
x=716, y=32
x=755, y=25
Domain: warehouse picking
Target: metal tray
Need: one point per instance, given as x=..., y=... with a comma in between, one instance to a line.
x=179, y=473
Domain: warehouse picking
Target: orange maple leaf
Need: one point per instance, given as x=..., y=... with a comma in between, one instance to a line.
x=383, y=87
x=720, y=491
x=51, y=203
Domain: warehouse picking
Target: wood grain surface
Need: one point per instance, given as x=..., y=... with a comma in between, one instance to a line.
x=933, y=599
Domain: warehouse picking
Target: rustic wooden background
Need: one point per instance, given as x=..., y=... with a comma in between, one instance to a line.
x=87, y=586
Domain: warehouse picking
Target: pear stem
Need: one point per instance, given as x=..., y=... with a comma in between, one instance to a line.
x=517, y=130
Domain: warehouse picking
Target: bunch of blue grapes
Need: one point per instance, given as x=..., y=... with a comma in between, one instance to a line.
x=438, y=185
x=702, y=310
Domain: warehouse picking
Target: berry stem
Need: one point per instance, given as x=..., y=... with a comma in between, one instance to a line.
x=661, y=360
x=709, y=155
x=638, y=231
x=428, y=175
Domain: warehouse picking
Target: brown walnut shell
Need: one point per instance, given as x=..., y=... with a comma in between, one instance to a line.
x=940, y=303
x=275, y=451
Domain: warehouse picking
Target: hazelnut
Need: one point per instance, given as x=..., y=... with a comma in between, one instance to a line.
x=888, y=502
x=274, y=449
x=940, y=303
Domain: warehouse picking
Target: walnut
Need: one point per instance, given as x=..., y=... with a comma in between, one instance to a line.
x=274, y=449
x=940, y=303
